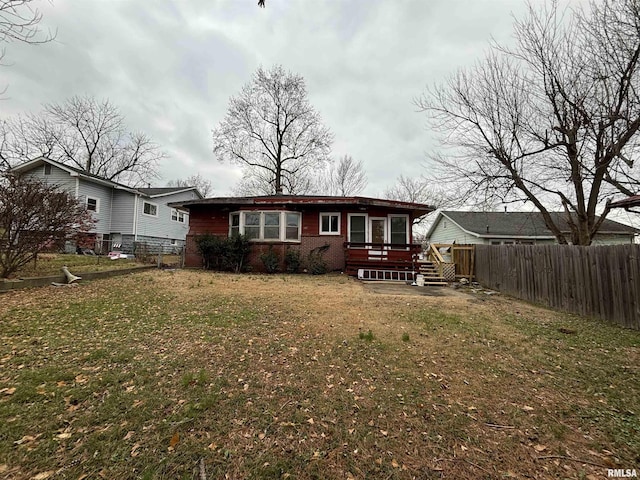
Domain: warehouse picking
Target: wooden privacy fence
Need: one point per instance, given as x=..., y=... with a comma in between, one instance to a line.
x=602, y=281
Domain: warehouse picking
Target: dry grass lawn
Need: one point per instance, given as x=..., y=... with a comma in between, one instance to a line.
x=191, y=374
x=50, y=264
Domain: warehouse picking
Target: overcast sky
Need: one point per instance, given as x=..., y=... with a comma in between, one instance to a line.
x=172, y=65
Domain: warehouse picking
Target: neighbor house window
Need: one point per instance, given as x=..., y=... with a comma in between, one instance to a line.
x=150, y=209
x=47, y=169
x=329, y=224
x=177, y=215
x=270, y=226
x=399, y=229
x=357, y=228
x=92, y=204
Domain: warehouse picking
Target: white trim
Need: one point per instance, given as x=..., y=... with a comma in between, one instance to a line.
x=150, y=214
x=366, y=225
x=189, y=189
x=329, y=214
x=179, y=214
x=407, y=232
x=385, y=233
x=97, y=200
x=282, y=225
x=136, y=216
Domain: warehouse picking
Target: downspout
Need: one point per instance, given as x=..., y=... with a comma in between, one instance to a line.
x=77, y=188
x=111, y=215
x=135, y=218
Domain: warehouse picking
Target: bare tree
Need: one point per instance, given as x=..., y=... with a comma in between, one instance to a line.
x=19, y=21
x=86, y=134
x=552, y=121
x=271, y=128
x=259, y=182
x=35, y=216
x=344, y=179
x=419, y=190
x=202, y=184
x=422, y=190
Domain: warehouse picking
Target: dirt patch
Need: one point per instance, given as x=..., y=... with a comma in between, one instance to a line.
x=412, y=290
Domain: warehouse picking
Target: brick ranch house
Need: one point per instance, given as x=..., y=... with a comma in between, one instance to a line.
x=356, y=232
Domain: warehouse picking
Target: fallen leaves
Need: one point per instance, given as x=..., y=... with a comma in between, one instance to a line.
x=7, y=391
x=134, y=450
x=175, y=439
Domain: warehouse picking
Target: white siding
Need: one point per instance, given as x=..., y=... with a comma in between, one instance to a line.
x=122, y=212
x=162, y=226
x=103, y=195
x=447, y=231
x=58, y=177
x=611, y=239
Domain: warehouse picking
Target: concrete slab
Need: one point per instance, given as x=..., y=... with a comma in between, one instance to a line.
x=389, y=288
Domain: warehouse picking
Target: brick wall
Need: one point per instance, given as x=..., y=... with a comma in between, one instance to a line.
x=334, y=256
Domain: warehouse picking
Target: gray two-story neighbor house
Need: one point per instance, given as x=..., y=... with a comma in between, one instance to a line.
x=125, y=216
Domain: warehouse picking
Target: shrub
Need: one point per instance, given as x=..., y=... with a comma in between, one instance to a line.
x=316, y=262
x=223, y=253
x=292, y=260
x=238, y=251
x=270, y=260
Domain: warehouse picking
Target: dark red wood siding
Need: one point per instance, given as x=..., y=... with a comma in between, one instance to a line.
x=214, y=219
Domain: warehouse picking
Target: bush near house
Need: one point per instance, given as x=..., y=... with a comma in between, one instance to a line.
x=35, y=217
x=224, y=253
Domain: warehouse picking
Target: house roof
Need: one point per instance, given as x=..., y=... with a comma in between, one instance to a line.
x=629, y=202
x=417, y=209
x=160, y=191
x=73, y=171
x=76, y=172
x=520, y=224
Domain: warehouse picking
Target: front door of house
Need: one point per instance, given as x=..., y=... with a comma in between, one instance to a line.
x=378, y=230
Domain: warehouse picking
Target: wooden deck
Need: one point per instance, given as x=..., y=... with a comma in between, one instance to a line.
x=381, y=256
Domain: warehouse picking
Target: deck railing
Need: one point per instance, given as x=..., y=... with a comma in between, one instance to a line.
x=462, y=256
x=381, y=255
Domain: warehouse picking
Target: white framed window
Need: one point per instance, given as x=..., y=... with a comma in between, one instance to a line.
x=178, y=216
x=330, y=223
x=266, y=226
x=399, y=229
x=252, y=225
x=357, y=227
x=271, y=225
x=292, y=227
x=150, y=209
x=93, y=204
